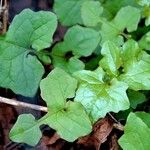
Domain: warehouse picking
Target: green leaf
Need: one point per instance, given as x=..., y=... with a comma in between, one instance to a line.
x=90, y=12
x=57, y=87
x=69, y=11
x=145, y=10
x=44, y=57
x=147, y=15
x=98, y=97
x=70, y=123
x=41, y=27
x=26, y=130
x=136, y=133
x=79, y=39
x=58, y=59
x=135, y=98
x=68, y=118
x=111, y=61
x=114, y=29
x=145, y=117
x=143, y=2
x=109, y=31
x=112, y=7
x=19, y=68
x=144, y=42
x=128, y=20
x=136, y=67
x=72, y=65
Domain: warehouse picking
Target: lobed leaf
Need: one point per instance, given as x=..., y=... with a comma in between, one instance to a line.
x=136, y=67
x=114, y=30
x=57, y=87
x=98, y=97
x=70, y=123
x=29, y=32
x=26, y=130
x=78, y=41
x=111, y=61
x=137, y=132
x=69, y=119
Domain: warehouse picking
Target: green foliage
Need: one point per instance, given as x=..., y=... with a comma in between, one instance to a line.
x=78, y=41
x=68, y=11
x=26, y=130
x=91, y=12
x=144, y=42
x=146, y=10
x=98, y=97
x=111, y=61
x=114, y=30
x=101, y=65
x=136, y=67
x=136, y=98
x=29, y=32
x=137, y=132
x=68, y=118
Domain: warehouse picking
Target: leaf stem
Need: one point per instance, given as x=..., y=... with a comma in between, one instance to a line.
x=22, y=104
x=127, y=36
x=118, y=126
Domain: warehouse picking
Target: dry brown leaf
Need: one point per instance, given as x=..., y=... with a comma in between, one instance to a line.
x=113, y=144
x=101, y=131
x=7, y=115
x=50, y=140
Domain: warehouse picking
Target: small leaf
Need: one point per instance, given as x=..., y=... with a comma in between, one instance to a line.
x=144, y=42
x=135, y=98
x=20, y=70
x=79, y=39
x=44, y=57
x=128, y=20
x=57, y=87
x=90, y=12
x=137, y=132
x=109, y=31
x=136, y=67
x=26, y=130
x=69, y=11
x=98, y=97
x=114, y=29
x=70, y=123
x=112, y=7
x=72, y=65
x=111, y=61
x=143, y=2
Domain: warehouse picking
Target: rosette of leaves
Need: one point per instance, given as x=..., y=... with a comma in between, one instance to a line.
x=67, y=117
x=29, y=33
x=104, y=90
